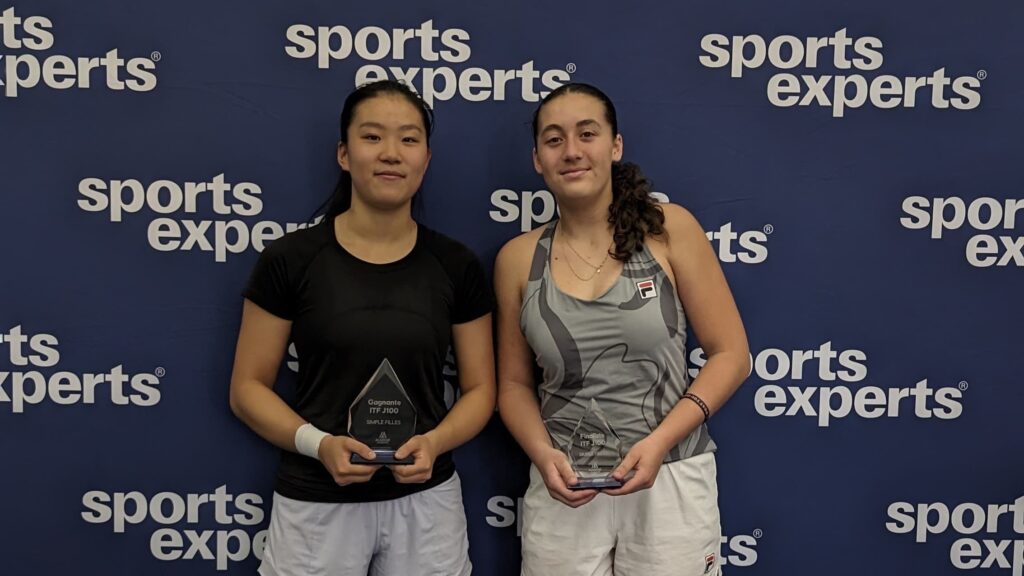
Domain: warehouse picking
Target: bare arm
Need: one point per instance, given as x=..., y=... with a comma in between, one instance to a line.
x=474, y=352
x=716, y=322
x=262, y=340
x=517, y=395
x=712, y=312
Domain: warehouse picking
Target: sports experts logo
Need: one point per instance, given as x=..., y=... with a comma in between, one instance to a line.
x=832, y=397
x=939, y=215
x=163, y=198
x=1004, y=522
x=186, y=519
x=847, y=90
x=328, y=44
x=737, y=550
x=33, y=379
x=60, y=72
x=532, y=208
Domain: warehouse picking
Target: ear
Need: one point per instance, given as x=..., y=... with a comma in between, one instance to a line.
x=343, y=156
x=536, y=161
x=427, y=164
x=617, y=148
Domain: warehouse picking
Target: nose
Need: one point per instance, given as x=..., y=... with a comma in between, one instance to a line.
x=571, y=152
x=389, y=152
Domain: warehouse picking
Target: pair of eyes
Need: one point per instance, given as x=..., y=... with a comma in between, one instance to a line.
x=377, y=138
x=555, y=139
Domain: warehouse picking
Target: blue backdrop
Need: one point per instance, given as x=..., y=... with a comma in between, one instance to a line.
x=855, y=165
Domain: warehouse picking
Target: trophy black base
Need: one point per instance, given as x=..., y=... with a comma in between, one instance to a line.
x=383, y=457
x=596, y=484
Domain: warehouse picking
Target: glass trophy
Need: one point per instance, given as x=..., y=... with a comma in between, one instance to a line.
x=382, y=417
x=593, y=448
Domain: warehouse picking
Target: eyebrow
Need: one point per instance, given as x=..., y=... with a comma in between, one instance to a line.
x=402, y=128
x=580, y=124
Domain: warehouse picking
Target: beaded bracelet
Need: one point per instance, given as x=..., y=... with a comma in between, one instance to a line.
x=700, y=403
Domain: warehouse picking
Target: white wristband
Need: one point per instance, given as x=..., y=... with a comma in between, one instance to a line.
x=307, y=440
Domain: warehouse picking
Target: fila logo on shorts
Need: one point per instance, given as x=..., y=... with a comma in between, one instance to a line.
x=646, y=289
x=709, y=562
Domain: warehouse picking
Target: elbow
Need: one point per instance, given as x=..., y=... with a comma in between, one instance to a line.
x=489, y=399
x=744, y=364
x=740, y=360
x=746, y=367
x=501, y=400
x=734, y=363
x=505, y=404
x=234, y=400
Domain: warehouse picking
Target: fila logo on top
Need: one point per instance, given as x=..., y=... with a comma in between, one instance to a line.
x=389, y=51
x=29, y=70
x=848, y=89
x=646, y=289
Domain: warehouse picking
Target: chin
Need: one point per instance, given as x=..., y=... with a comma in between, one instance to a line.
x=577, y=191
x=391, y=204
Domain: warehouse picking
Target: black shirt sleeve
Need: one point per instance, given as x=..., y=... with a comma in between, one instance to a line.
x=270, y=286
x=474, y=296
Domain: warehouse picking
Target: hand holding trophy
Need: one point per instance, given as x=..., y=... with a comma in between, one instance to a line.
x=593, y=448
x=382, y=417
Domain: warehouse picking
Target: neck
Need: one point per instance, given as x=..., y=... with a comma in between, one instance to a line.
x=587, y=220
x=369, y=224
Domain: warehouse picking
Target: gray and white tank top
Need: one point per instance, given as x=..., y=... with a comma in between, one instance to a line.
x=626, y=350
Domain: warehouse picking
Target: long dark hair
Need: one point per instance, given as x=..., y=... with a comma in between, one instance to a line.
x=341, y=198
x=633, y=213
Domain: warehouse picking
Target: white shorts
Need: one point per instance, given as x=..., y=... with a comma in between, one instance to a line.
x=423, y=534
x=672, y=528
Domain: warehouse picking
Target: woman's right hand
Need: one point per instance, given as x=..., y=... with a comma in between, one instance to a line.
x=558, y=475
x=336, y=452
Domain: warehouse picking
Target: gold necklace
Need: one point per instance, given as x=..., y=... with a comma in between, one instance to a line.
x=597, y=269
x=576, y=274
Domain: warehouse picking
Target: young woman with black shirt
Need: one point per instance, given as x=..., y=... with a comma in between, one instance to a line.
x=368, y=284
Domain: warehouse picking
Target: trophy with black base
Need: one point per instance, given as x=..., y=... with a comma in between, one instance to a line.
x=382, y=417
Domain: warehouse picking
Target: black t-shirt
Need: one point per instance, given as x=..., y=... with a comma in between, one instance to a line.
x=347, y=316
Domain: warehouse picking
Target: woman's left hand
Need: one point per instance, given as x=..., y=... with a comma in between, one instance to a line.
x=643, y=461
x=423, y=450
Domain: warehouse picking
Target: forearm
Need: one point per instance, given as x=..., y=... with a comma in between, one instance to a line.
x=465, y=420
x=266, y=413
x=520, y=410
x=720, y=377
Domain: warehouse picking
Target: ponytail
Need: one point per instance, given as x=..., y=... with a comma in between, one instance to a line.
x=634, y=214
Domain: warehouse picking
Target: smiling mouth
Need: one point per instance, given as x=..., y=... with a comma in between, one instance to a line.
x=574, y=172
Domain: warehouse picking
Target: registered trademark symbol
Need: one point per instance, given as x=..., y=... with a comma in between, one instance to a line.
x=160, y=372
x=768, y=228
x=155, y=56
x=962, y=385
x=982, y=74
x=758, y=533
x=570, y=68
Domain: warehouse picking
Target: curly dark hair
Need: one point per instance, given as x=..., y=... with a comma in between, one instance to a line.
x=633, y=214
